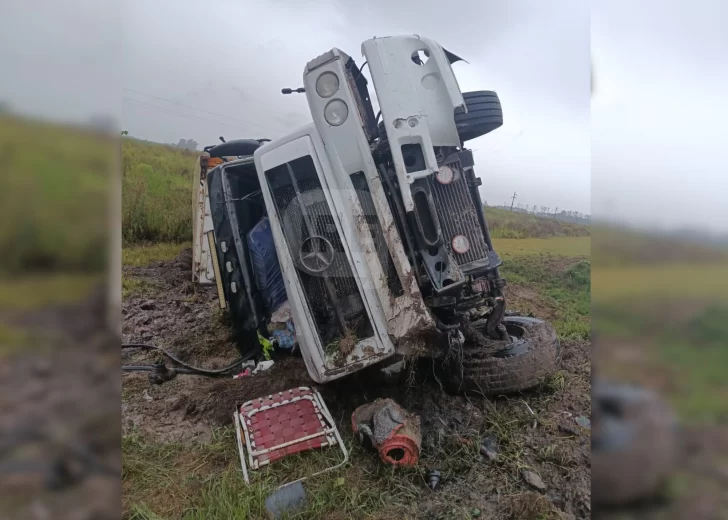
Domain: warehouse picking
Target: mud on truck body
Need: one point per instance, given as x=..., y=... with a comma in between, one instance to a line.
x=377, y=227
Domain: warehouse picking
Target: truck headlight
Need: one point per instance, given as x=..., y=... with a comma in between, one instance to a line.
x=460, y=244
x=336, y=112
x=327, y=84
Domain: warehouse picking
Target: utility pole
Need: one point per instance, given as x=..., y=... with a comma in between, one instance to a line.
x=513, y=200
x=556, y=211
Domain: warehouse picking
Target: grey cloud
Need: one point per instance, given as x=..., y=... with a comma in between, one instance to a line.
x=181, y=64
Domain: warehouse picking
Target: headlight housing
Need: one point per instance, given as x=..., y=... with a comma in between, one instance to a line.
x=336, y=112
x=460, y=244
x=327, y=84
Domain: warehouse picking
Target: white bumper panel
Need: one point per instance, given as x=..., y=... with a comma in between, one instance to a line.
x=417, y=100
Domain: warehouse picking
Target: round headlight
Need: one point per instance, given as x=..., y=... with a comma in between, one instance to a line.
x=445, y=175
x=336, y=112
x=327, y=84
x=460, y=244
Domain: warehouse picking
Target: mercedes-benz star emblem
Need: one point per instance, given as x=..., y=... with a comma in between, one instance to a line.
x=316, y=254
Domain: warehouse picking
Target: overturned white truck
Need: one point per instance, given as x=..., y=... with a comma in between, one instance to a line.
x=371, y=227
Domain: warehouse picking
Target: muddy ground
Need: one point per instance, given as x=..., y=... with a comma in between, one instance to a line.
x=696, y=485
x=60, y=454
x=536, y=431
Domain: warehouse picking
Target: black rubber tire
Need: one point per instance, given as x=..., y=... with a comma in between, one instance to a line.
x=634, y=444
x=484, y=114
x=490, y=367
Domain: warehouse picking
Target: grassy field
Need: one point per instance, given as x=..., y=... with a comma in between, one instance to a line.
x=156, y=192
x=53, y=203
x=688, y=281
x=565, y=246
x=53, y=218
x=508, y=224
x=164, y=479
x=561, y=290
x=661, y=309
x=146, y=253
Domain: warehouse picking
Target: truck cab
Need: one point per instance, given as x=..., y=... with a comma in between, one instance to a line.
x=374, y=221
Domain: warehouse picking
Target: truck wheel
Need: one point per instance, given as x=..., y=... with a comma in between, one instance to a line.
x=634, y=444
x=484, y=114
x=490, y=367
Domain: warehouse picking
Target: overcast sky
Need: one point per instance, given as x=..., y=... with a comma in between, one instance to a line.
x=652, y=135
x=659, y=113
x=535, y=56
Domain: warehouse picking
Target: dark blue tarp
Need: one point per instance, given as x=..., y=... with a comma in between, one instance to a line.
x=265, y=265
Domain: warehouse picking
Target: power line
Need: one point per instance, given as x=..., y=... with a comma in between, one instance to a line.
x=179, y=114
x=194, y=108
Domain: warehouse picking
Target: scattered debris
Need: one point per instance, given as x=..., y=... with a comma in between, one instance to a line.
x=145, y=395
x=282, y=314
x=266, y=345
x=475, y=513
x=296, y=420
x=347, y=343
x=584, y=422
x=285, y=501
x=533, y=480
x=535, y=420
x=489, y=448
x=556, y=499
x=569, y=430
x=391, y=430
x=284, y=334
x=263, y=366
x=247, y=369
x=393, y=371
x=244, y=373
x=433, y=479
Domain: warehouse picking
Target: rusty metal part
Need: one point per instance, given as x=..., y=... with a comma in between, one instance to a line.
x=391, y=430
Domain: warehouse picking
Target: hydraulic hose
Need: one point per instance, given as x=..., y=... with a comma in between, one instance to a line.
x=192, y=369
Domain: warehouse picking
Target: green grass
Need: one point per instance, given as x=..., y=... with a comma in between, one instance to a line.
x=134, y=287
x=141, y=255
x=688, y=351
x=563, y=284
x=507, y=224
x=12, y=340
x=53, y=205
x=29, y=293
x=195, y=481
x=675, y=281
x=565, y=246
x=156, y=192
x=664, y=300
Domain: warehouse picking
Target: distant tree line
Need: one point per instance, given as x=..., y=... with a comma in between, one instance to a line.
x=563, y=215
x=188, y=144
